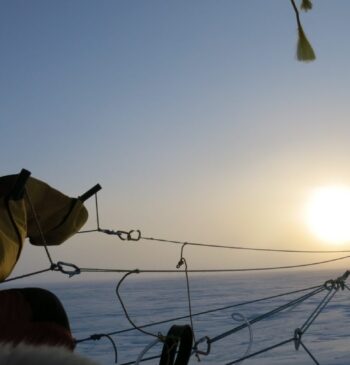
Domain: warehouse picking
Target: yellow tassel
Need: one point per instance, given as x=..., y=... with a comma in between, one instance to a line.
x=306, y=5
x=304, y=48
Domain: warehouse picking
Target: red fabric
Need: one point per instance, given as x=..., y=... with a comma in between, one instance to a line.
x=17, y=324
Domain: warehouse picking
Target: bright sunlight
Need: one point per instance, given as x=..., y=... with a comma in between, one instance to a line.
x=328, y=214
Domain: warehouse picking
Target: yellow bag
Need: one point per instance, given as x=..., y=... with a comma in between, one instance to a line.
x=41, y=213
x=60, y=217
x=12, y=233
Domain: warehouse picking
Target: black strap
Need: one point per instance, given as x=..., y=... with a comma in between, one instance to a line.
x=178, y=336
x=18, y=188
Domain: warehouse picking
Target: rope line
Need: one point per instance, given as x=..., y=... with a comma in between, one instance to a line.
x=267, y=314
x=318, y=310
x=130, y=236
x=309, y=353
x=26, y=275
x=201, y=244
x=77, y=270
x=239, y=317
x=181, y=262
x=124, y=307
x=145, y=350
x=98, y=336
x=261, y=351
x=209, y=311
x=95, y=270
x=142, y=360
x=38, y=225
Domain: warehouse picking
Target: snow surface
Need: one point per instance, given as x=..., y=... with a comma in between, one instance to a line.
x=94, y=308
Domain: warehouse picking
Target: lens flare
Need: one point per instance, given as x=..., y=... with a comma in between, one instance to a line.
x=328, y=214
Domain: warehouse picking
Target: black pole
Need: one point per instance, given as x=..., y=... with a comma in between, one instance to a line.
x=90, y=193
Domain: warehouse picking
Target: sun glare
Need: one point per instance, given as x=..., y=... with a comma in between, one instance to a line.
x=328, y=214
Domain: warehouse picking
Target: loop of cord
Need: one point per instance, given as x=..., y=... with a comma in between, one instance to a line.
x=146, y=349
x=239, y=317
x=98, y=336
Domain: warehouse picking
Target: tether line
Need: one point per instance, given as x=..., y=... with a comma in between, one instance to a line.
x=201, y=244
x=210, y=311
x=318, y=310
x=106, y=270
x=26, y=275
x=267, y=315
x=261, y=351
x=38, y=225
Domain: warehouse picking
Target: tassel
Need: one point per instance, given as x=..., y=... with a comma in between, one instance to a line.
x=306, y=5
x=304, y=48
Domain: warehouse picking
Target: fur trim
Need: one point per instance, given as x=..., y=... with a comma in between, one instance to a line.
x=24, y=354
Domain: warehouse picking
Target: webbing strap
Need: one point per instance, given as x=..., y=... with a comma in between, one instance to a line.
x=178, y=336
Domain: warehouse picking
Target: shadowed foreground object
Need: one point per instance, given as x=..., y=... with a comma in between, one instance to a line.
x=24, y=354
x=34, y=316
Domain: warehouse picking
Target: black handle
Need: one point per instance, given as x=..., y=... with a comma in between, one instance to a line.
x=90, y=193
x=18, y=187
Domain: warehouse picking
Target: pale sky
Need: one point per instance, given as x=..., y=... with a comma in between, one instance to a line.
x=193, y=115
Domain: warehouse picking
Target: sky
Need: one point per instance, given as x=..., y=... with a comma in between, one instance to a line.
x=194, y=116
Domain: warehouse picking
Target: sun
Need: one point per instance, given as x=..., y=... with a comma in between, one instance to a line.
x=328, y=214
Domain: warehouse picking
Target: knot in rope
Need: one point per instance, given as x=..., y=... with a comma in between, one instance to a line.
x=297, y=338
x=330, y=284
x=180, y=263
x=66, y=268
x=182, y=260
x=336, y=284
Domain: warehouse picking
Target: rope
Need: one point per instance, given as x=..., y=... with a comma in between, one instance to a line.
x=128, y=235
x=309, y=353
x=26, y=275
x=201, y=244
x=95, y=270
x=98, y=336
x=267, y=315
x=124, y=307
x=318, y=310
x=144, y=359
x=209, y=311
x=97, y=214
x=239, y=317
x=181, y=262
x=38, y=225
x=145, y=350
x=261, y=351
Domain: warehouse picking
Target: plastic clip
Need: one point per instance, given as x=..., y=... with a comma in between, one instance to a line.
x=62, y=267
